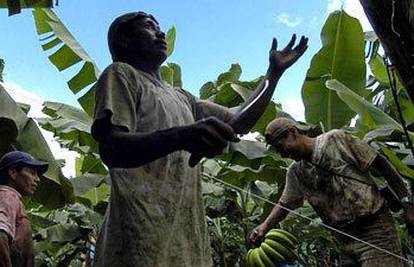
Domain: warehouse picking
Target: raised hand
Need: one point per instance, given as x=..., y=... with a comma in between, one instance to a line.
x=283, y=59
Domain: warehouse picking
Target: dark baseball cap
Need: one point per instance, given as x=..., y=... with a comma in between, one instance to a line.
x=19, y=158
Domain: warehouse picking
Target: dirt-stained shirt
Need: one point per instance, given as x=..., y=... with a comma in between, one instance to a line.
x=323, y=183
x=15, y=223
x=155, y=215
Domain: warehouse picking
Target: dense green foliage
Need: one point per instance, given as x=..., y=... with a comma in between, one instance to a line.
x=240, y=186
x=15, y=6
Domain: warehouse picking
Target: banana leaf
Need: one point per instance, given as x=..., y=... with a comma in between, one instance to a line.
x=369, y=116
x=17, y=131
x=342, y=58
x=67, y=51
x=15, y=6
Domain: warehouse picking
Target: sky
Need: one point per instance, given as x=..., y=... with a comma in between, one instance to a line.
x=211, y=35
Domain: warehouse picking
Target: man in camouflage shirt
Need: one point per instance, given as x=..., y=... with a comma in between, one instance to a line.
x=332, y=173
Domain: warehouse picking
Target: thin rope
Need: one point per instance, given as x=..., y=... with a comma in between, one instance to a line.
x=311, y=220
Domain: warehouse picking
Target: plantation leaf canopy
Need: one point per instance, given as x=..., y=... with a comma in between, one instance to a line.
x=15, y=6
x=20, y=132
x=69, y=53
x=341, y=36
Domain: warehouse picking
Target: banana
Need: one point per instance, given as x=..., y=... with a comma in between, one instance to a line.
x=271, y=253
x=285, y=252
x=250, y=261
x=256, y=257
x=266, y=260
x=288, y=235
x=281, y=238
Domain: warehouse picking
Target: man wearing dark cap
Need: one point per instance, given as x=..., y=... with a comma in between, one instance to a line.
x=146, y=132
x=332, y=172
x=19, y=176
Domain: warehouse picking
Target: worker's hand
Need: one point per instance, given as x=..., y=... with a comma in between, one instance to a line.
x=409, y=213
x=283, y=59
x=257, y=235
x=207, y=137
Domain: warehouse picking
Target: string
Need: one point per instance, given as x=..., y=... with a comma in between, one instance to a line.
x=311, y=220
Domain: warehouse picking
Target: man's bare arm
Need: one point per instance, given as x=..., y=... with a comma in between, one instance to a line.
x=277, y=215
x=391, y=175
x=5, y=259
x=395, y=181
x=279, y=61
x=122, y=149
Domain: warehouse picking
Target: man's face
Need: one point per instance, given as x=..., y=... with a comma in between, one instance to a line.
x=25, y=181
x=287, y=145
x=147, y=40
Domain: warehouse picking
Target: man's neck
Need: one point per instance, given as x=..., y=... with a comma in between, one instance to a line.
x=150, y=67
x=308, y=147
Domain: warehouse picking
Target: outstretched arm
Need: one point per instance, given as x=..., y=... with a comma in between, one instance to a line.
x=250, y=112
x=279, y=61
x=395, y=181
x=246, y=116
x=277, y=215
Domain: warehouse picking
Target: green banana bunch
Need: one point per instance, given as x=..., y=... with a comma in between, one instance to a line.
x=278, y=247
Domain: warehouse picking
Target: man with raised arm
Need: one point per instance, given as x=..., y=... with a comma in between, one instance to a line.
x=332, y=172
x=146, y=132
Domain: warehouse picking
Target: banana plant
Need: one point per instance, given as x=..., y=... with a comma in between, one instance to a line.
x=17, y=131
x=67, y=53
x=15, y=6
x=228, y=90
x=342, y=58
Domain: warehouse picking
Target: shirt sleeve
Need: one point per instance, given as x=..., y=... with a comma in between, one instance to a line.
x=9, y=207
x=203, y=108
x=115, y=101
x=356, y=151
x=292, y=196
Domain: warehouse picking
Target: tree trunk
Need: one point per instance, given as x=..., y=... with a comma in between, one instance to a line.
x=393, y=22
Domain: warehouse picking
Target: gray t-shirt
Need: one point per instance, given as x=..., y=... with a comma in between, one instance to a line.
x=334, y=197
x=155, y=215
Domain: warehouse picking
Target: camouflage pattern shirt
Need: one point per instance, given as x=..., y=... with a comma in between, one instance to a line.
x=334, y=197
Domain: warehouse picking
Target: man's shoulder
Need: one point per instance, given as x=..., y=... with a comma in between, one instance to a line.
x=296, y=167
x=335, y=133
x=330, y=137
x=8, y=193
x=120, y=67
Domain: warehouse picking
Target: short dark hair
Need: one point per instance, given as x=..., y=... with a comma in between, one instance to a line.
x=120, y=28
